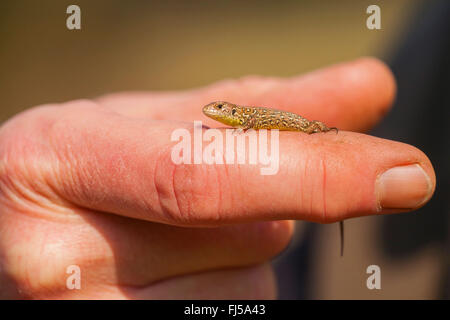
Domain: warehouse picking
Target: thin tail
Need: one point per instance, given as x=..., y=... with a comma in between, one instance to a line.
x=341, y=229
x=334, y=128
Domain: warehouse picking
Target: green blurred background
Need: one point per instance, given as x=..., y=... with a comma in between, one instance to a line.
x=168, y=45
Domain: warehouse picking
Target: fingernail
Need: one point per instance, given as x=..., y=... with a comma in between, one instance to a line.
x=405, y=187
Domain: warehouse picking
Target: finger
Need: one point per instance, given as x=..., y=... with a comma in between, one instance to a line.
x=136, y=253
x=112, y=251
x=257, y=282
x=148, y=252
x=351, y=96
x=244, y=283
x=130, y=171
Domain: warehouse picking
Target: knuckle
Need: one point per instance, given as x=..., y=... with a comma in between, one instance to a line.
x=34, y=147
x=23, y=155
x=188, y=193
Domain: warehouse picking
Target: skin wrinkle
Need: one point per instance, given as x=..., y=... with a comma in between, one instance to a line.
x=184, y=204
x=69, y=181
x=72, y=167
x=219, y=184
x=189, y=203
x=64, y=165
x=311, y=194
x=181, y=217
x=173, y=215
x=303, y=182
x=226, y=177
x=62, y=156
x=158, y=191
x=86, y=173
x=324, y=197
x=26, y=201
x=51, y=181
x=37, y=212
x=11, y=185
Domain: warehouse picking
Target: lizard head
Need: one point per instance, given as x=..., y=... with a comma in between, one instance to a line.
x=224, y=112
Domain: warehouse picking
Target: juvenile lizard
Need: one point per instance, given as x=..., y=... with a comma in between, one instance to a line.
x=244, y=117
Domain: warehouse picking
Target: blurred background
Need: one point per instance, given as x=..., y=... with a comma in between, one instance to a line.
x=169, y=45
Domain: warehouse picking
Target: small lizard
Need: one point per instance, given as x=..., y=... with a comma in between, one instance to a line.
x=244, y=117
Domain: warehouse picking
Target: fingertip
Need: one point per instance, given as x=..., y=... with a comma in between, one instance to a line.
x=381, y=75
x=278, y=234
x=367, y=90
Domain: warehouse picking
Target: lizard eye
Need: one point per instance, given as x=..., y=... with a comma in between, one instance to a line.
x=233, y=111
x=219, y=106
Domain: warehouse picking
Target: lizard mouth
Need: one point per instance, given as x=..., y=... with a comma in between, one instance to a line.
x=211, y=111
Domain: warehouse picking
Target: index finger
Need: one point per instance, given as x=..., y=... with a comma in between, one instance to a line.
x=351, y=96
x=125, y=166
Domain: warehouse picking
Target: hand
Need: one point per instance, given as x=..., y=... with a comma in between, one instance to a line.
x=92, y=184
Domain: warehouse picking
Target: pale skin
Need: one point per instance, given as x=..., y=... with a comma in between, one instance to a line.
x=91, y=183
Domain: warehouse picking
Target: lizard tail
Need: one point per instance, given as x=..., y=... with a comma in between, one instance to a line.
x=341, y=229
x=334, y=128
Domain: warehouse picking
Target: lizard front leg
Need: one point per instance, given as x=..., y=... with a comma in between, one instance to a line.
x=247, y=124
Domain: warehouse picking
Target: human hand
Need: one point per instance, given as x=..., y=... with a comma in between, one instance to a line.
x=92, y=184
